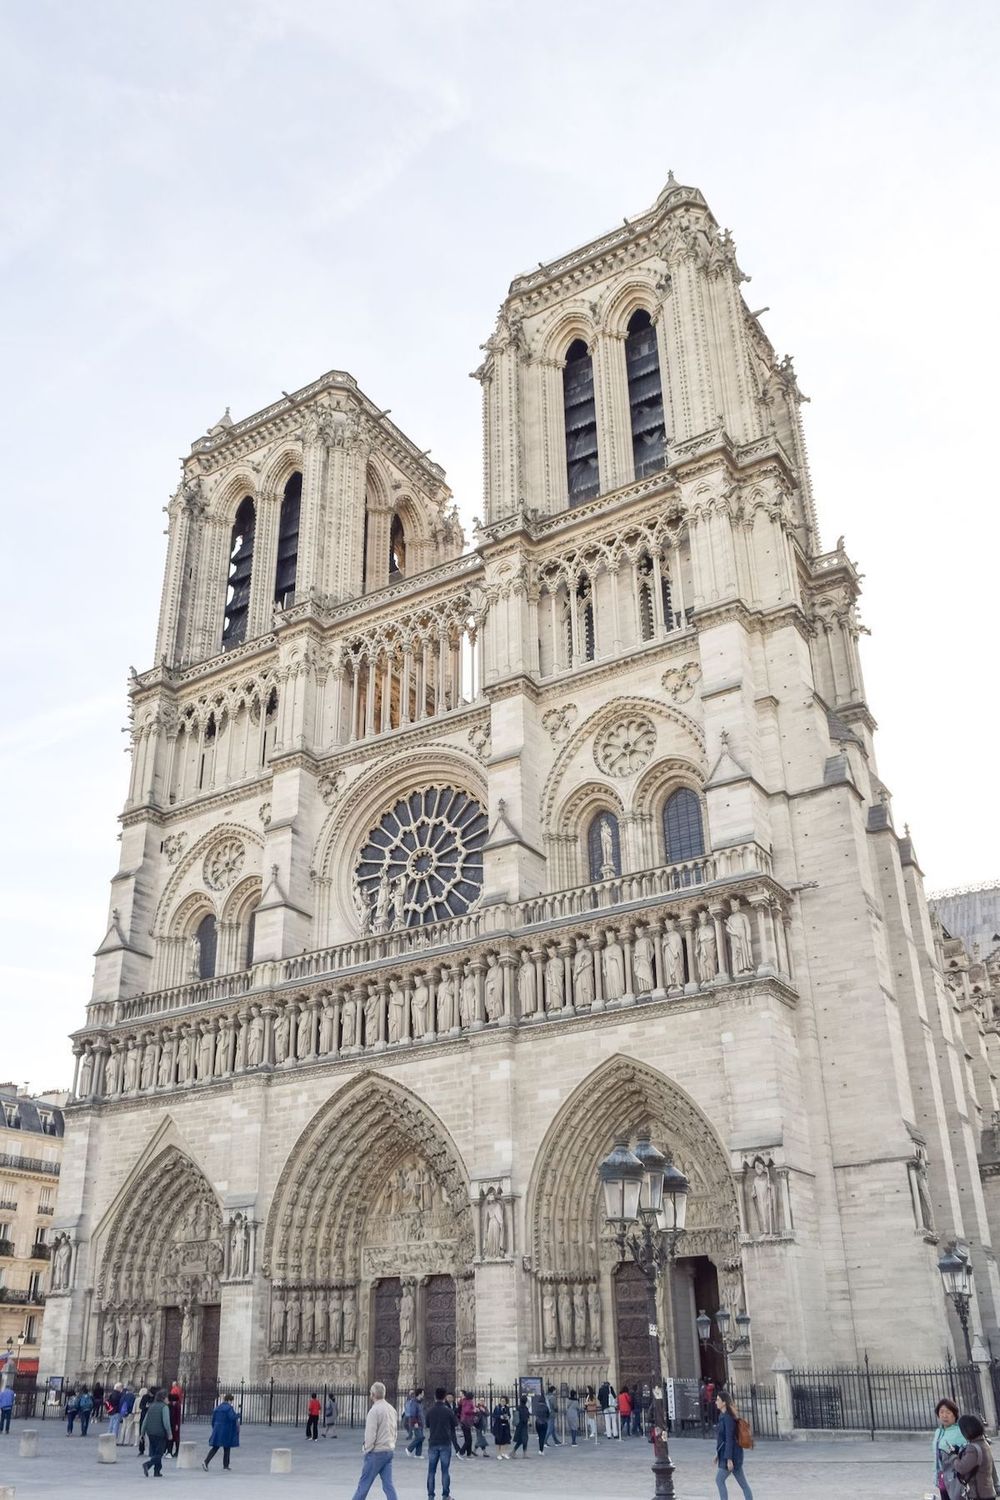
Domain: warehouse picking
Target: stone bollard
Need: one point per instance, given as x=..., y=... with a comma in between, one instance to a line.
x=29, y=1443
x=281, y=1460
x=782, y=1371
x=107, y=1449
x=187, y=1456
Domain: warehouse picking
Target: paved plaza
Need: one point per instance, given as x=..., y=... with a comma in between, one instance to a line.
x=610, y=1471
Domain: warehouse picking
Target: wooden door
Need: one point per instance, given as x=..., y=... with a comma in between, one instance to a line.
x=439, y=1334
x=170, y=1346
x=633, y=1365
x=385, y=1333
x=208, y=1360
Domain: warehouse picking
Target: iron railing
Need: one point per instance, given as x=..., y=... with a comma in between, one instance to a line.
x=759, y=1404
x=876, y=1398
x=29, y=1164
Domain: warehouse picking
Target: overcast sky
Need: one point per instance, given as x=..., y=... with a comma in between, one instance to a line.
x=206, y=203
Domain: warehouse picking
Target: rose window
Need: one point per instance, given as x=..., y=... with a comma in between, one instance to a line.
x=423, y=860
x=626, y=746
x=224, y=864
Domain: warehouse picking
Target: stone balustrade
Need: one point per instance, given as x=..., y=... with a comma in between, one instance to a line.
x=504, y=966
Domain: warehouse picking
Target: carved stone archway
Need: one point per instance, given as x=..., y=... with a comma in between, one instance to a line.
x=374, y=1191
x=157, y=1292
x=573, y=1256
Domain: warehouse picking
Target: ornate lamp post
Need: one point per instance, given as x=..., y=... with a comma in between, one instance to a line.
x=956, y=1274
x=645, y=1203
x=723, y=1318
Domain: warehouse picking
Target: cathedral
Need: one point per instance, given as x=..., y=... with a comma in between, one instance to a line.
x=445, y=868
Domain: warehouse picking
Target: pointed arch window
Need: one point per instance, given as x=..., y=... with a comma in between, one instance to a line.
x=604, y=849
x=580, y=410
x=251, y=931
x=234, y=628
x=397, y=548
x=683, y=834
x=287, y=565
x=585, y=620
x=207, y=937
x=645, y=396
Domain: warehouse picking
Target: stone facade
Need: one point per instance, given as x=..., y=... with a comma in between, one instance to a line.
x=441, y=869
x=32, y=1257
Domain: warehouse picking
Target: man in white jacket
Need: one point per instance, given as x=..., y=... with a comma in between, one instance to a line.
x=379, y=1445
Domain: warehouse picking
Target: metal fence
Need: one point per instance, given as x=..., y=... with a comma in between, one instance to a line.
x=877, y=1399
x=759, y=1404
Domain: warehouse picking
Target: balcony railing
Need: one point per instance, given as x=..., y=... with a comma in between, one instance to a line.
x=8, y=1205
x=29, y=1164
x=40, y=1251
x=25, y=1298
x=43, y=1208
x=6, y=1248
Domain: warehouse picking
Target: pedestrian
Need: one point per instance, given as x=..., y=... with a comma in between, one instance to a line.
x=947, y=1439
x=466, y=1416
x=157, y=1431
x=6, y=1407
x=450, y=1399
x=330, y=1415
x=225, y=1432
x=552, y=1401
x=312, y=1418
x=636, y=1411
x=114, y=1409
x=540, y=1412
x=522, y=1418
x=174, y=1403
x=974, y=1464
x=86, y=1407
x=625, y=1411
x=380, y=1440
x=440, y=1421
x=573, y=1417
x=711, y=1410
x=416, y=1443
x=728, y=1447
x=130, y=1417
x=590, y=1410
x=72, y=1409
x=97, y=1399
x=500, y=1423
x=608, y=1397
x=145, y=1398
x=479, y=1426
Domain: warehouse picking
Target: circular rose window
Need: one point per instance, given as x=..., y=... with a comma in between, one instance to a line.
x=423, y=860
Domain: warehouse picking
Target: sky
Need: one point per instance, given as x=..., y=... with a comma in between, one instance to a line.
x=204, y=204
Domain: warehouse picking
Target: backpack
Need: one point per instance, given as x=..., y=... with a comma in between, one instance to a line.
x=86, y=1402
x=744, y=1437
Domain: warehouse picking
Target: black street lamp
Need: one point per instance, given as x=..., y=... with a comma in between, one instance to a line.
x=956, y=1274
x=645, y=1203
x=723, y=1318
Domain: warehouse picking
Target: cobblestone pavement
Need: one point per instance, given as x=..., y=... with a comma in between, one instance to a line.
x=68, y=1467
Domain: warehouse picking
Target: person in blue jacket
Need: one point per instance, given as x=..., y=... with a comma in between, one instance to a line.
x=728, y=1453
x=225, y=1432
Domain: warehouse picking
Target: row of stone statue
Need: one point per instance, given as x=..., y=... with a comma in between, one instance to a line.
x=127, y=1333
x=571, y=1316
x=579, y=971
x=313, y=1319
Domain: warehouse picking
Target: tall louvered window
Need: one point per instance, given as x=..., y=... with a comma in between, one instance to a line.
x=234, y=628
x=645, y=396
x=288, y=543
x=682, y=827
x=207, y=939
x=581, y=424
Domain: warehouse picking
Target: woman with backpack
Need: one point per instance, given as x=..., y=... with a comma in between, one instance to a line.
x=85, y=1407
x=732, y=1435
x=72, y=1407
x=974, y=1464
x=948, y=1439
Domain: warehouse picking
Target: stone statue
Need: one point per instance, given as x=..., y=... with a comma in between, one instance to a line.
x=347, y=1023
x=146, y=1348
x=383, y=899
x=399, y=902
x=206, y=1052
x=245, y=1249
x=112, y=1076
x=131, y=1070
x=467, y=1003
x=109, y=1335
x=554, y=976
x=761, y=1197
x=373, y=1005
x=614, y=968
x=148, y=1066
x=673, y=957
x=134, y=1334
x=350, y=1317
x=308, y=1320
x=607, y=849
x=705, y=949
x=494, y=988
x=60, y=1265
x=579, y=1315
x=583, y=975
x=281, y=1034
x=195, y=970
x=740, y=939
x=303, y=1033
x=565, y=1316
x=187, y=1328
x=594, y=1314
x=397, y=1011
x=445, y=1003
x=255, y=1039
x=406, y=1316
x=363, y=906
x=494, y=1231
x=86, y=1073
x=326, y=1028
x=419, y=1001
x=550, y=1334
x=277, y=1322
x=292, y=1321
x=336, y=1316
x=643, y=961
x=526, y=1000
x=184, y=1056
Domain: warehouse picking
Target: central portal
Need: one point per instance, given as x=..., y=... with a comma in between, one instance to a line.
x=439, y=1333
x=385, y=1332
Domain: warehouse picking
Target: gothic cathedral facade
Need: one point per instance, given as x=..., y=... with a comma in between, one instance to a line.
x=444, y=869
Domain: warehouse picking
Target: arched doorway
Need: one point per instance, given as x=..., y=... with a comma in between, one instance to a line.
x=369, y=1246
x=157, y=1296
x=591, y=1315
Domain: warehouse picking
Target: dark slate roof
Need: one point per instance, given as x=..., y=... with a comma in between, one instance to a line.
x=28, y=1117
